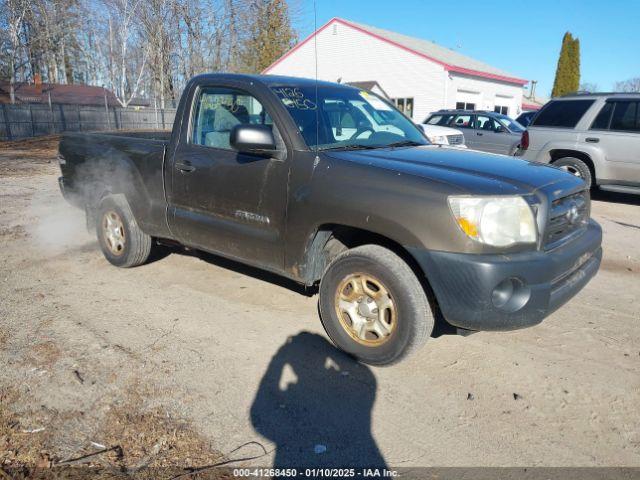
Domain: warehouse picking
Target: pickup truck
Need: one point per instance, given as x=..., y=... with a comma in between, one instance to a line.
x=334, y=188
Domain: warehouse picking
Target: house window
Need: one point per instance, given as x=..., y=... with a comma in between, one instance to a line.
x=405, y=105
x=502, y=110
x=465, y=106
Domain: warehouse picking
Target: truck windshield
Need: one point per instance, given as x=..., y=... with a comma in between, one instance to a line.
x=347, y=118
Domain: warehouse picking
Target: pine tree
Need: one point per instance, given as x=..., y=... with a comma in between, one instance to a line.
x=568, y=71
x=574, y=74
x=561, y=82
x=270, y=35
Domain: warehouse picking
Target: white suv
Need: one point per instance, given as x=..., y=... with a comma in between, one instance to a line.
x=593, y=136
x=443, y=135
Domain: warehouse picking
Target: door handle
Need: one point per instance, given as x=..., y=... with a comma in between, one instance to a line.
x=479, y=134
x=185, y=167
x=592, y=140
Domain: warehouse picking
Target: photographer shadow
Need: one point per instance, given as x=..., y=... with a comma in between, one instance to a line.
x=315, y=403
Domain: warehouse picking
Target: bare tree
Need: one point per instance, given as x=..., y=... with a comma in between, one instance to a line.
x=126, y=57
x=139, y=47
x=14, y=13
x=588, y=87
x=628, y=86
x=157, y=21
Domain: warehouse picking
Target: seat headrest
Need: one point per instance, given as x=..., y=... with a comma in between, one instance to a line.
x=224, y=120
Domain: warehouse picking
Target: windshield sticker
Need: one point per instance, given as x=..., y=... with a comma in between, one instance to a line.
x=375, y=102
x=294, y=98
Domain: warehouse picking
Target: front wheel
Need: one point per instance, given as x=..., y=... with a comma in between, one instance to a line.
x=121, y=240
x=373, y=306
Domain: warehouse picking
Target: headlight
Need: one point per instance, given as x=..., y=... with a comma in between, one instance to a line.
x=497, y=221
x=438, y=139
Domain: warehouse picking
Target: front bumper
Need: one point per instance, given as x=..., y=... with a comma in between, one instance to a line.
x=510, y=291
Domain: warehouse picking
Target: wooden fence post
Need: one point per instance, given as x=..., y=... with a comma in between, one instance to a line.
x=62, y=119
x=33, y=126
x=7, y=125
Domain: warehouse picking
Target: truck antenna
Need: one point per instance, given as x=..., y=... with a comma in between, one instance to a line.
x=315, y=48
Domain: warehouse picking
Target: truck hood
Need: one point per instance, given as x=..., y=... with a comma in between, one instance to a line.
x=467, y=170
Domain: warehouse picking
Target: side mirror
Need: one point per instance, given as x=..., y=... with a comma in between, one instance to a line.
x=253, y=139
x=501, y=129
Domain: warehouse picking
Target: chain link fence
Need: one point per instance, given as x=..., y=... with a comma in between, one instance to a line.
x=33, y=120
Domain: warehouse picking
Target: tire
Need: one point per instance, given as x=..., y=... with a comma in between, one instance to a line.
x=121, y=240
x=408, y=316
x=576, y=167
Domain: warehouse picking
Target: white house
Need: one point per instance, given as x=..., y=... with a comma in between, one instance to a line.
x=418, y=75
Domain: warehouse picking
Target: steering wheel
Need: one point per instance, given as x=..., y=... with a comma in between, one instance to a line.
x=360, y=131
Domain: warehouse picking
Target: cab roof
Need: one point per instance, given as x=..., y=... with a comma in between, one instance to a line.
x=273, y=80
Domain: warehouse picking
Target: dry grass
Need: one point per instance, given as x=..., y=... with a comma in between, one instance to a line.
x=28, y=157
x=32, y=148
x=18, y=446
x=139, y=442
x=153, y=437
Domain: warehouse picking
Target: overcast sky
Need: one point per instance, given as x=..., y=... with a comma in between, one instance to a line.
x=520, y=37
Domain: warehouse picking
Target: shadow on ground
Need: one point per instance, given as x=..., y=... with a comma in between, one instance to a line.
x=614, y=197
x=314, y=403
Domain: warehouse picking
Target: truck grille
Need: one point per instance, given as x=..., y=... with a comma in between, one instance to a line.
x=568, y=216
x=455, y=139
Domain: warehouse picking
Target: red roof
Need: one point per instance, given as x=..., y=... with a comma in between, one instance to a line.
x=71, y=94
x=530, y=106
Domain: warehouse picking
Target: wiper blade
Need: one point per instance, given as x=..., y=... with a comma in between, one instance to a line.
x=352, y=147
x=406, y=143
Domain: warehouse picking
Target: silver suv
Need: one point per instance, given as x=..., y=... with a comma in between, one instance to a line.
x=593, y=136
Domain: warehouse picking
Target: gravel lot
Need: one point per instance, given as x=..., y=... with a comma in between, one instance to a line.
x=180, y=361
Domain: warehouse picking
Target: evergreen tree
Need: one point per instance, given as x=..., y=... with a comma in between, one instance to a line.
x=574, y=72
x=560, y=84
x=270, y=35
x=568, y=71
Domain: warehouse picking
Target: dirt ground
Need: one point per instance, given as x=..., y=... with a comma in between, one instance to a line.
x=191, y=360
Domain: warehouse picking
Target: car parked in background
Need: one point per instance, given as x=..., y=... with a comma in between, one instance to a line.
x=593, y=136
x=486, y=131
x=525, y=118
x=443, y=135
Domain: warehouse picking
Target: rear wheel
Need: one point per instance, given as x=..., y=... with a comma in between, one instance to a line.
x=576, y=167
x=121, y=240
x=373, y=306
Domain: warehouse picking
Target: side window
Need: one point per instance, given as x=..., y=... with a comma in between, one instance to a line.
x=218, y=110
x=442, y=120
x=485, y=123
x=562, y=113
x=602, y=120
x=625, y=117
x=461, y=121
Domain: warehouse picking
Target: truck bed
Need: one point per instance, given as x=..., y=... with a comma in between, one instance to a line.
x=159, y=135
x=129, y=162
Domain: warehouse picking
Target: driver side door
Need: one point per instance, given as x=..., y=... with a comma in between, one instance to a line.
x=224, y=201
